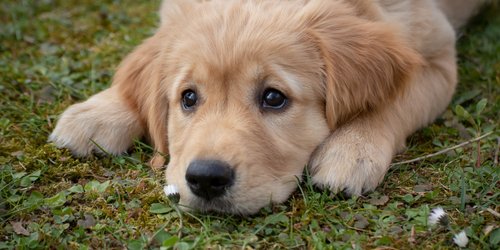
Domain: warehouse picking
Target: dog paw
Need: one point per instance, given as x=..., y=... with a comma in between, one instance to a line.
x=102, y=123
x=351, y=160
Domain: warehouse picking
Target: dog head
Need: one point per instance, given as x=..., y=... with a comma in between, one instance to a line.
x=242, y=92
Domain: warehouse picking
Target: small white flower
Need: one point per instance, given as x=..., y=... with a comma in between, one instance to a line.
x=170, y=190
x=461, y=239
x=437, y=215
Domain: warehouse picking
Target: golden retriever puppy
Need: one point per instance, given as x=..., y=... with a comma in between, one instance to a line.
x=243, y=95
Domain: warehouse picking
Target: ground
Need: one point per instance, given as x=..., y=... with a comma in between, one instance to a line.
x=55, y=53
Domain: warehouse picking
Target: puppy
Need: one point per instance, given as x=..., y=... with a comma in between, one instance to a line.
x=242, y=95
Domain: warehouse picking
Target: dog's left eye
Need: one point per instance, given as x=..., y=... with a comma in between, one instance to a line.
x=273, y=99
x=189, y=99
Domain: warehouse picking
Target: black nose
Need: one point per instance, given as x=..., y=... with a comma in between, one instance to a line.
x=209, y=178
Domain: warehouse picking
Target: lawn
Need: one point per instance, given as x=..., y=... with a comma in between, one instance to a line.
x=55, y=53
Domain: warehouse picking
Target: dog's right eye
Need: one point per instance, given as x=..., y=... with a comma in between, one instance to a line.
x=189, y=99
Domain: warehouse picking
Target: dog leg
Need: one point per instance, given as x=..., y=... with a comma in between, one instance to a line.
x=356, y=156
x=104, y=121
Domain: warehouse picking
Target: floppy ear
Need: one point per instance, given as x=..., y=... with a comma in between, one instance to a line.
x=365, y=63
x=157, y=125
x=137, y=78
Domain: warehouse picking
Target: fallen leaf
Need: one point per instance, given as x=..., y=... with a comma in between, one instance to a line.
x=19, y=229
x=88, y=222
x=422, y=188
x=344, y=215
x=379, y=201
x=395, y=230
x=361, y=222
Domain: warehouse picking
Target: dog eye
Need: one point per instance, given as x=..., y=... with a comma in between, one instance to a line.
x=273, y=99
x=189, y=99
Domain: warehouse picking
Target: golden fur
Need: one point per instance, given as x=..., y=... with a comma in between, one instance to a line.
x=360, y=76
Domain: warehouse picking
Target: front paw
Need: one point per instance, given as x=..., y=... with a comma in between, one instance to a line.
x=103, y=122
x=351, y=160
x=75, y=130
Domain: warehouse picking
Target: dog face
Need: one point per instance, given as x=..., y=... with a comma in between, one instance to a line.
x=244, y=91
x=240, y=139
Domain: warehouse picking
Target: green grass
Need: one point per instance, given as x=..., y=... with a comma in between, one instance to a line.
x=55, y=53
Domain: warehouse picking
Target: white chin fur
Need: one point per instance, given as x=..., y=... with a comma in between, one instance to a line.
x=170, y=190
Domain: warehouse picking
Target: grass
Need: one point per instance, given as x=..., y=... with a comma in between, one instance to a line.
x=54, y=53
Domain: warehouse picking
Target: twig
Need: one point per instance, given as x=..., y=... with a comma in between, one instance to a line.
x=444, y=151
x=478, y=160
x=357, y=229
x=412, y=239
x=493, y=212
